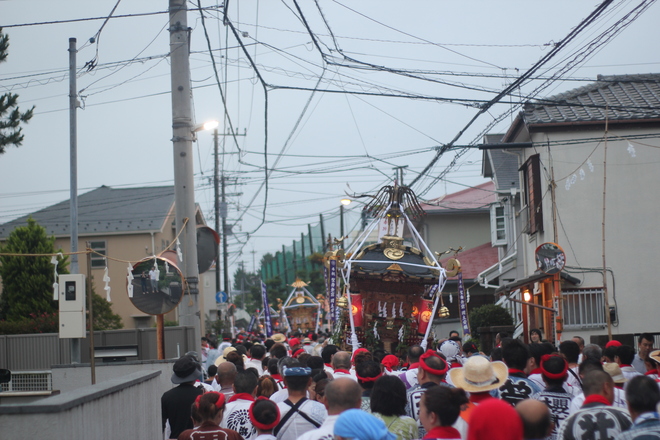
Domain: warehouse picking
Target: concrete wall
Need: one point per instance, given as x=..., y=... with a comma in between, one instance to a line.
x=119, y=408
x=632, y=235
x=67, y=378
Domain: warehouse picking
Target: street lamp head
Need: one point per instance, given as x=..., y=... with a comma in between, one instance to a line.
x=208, y=125
x=346, y=202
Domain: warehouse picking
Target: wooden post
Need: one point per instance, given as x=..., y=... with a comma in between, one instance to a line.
x=160, y=336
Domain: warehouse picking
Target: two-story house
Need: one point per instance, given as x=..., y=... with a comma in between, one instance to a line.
x=587, y=162
x=127, y=224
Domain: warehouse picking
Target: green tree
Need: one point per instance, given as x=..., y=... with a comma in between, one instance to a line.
x=487, y=316
x=27, y=282
x=104, y=317
x=10, y=115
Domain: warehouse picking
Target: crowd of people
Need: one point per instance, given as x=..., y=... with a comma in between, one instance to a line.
x=305, y=387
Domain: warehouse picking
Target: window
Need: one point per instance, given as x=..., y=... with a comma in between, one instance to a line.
x=533, y=194
x=100, y=248
x=584, y=308
x=498, y=225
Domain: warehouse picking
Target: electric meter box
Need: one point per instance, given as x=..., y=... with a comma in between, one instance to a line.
x=72, y=306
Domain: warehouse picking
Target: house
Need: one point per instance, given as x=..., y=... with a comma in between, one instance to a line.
x=462, y=220
x=587, y=164
x=127, y=224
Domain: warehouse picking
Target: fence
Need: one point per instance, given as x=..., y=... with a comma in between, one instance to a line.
x=41, y=351
x=583, y=309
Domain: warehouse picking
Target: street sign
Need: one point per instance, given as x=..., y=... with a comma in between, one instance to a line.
x=220, y=297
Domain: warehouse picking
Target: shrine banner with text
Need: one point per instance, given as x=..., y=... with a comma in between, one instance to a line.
x=332, y=291
x=250, y=326
x=462, y=306
x=267, y=322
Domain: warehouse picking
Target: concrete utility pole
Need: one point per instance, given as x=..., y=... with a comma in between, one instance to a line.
x=73, y=175
x=184, y=186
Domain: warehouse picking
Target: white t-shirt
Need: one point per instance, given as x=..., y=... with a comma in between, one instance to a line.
x=325, y=432
x=297, y=425
x=619, y=401
x=237, y=417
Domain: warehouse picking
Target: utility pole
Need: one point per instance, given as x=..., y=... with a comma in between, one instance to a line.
x=184, y=185
x=73, y=174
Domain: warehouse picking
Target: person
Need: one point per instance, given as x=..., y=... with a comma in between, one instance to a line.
x=592, y=351
x=479, y=377
x=643, y=396
x=359, y=425
x=236, y=413
x=307, y=346
x=340, y=395
x=266, y=386
x=451, y=350
x=518, y=386
x=327, y=354
x=210, y=408
x=274, y=372
x=212, y=354
x=409, y=377
x=264, y=415
x=390, y=364
x=625, y=355
x=536, y=419
x=571, y=351
x=257, y=354
x=535, y=336
x=176, y=403
x=613, y=369
x=224, y=379
x=495, y=419
x=537, y=351
x=388, y=403
x=579, y=340
x=299, y=414
x=153, y=276
x=644, y=347
x=367, y=373
x=341, y=365
x=143, y=282
x=586, y=367
x=432, y=372
x=205, y=348
x=453, y=334
x=439, y=410
x=554, y=370
x=597, y=419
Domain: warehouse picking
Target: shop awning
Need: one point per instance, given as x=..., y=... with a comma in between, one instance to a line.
x=535, y=278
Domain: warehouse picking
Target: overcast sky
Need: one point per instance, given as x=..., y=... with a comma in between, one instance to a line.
x=450, y=56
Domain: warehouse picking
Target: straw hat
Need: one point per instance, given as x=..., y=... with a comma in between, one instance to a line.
x=278, y=337
x=225, y=352
x=478, y=374
x=613, y=369
x=655, y=355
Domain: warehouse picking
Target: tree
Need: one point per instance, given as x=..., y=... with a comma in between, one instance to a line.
x=488, y=315
x=10, y=115
x=27, y=282
x=104, y=318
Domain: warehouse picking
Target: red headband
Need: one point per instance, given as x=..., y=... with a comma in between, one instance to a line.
x=197, y=399
x=258, y=424
x=550, y=375
x=368, y=379
x=358, y=351
x=422, y=364
x=298, y=352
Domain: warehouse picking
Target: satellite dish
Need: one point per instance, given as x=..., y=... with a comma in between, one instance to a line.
x=207, y=244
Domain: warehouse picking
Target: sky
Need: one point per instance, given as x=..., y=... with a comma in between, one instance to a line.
x=377, y=85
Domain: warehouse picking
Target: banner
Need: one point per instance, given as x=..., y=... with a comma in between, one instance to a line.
x=267, y=323
x=356, y=305
x=425, y=308
x=462, y=306
x=250, y=326
x=332, y=291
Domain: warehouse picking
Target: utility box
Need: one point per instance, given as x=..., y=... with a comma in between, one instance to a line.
x=72, y=294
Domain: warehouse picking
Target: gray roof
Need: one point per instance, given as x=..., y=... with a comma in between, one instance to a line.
x=627, y=97
x=502, y=168
x=105, y=210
